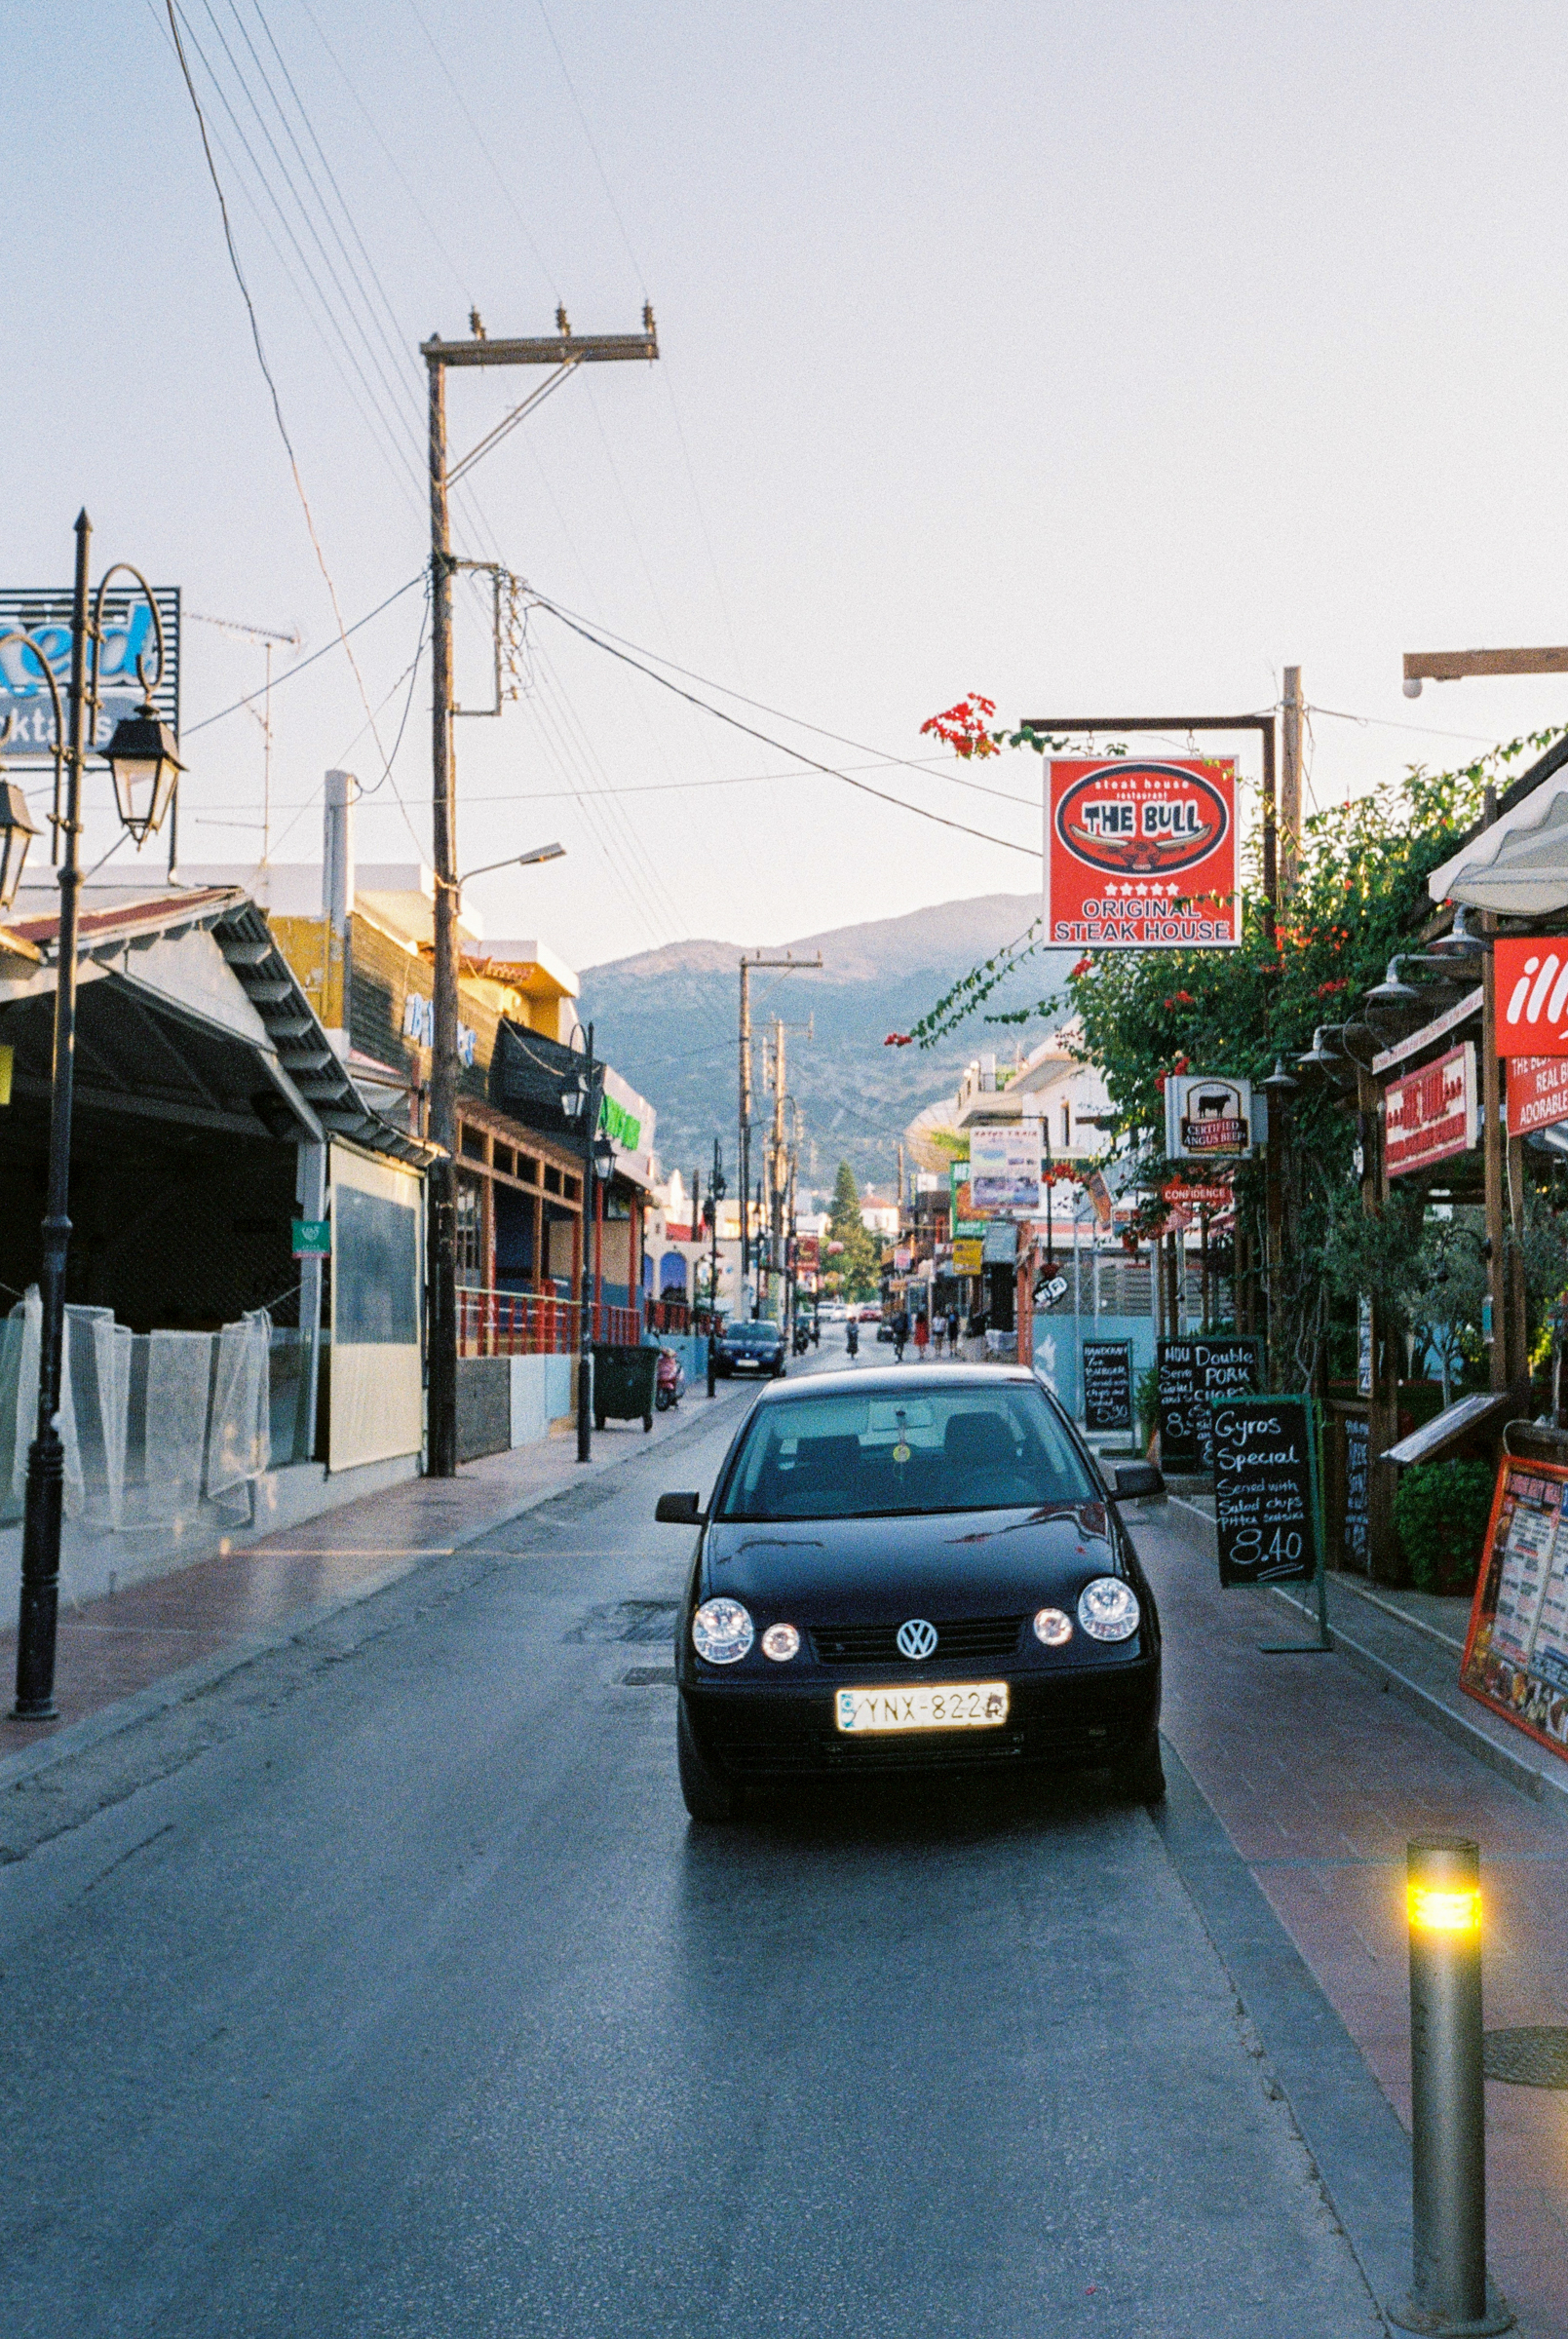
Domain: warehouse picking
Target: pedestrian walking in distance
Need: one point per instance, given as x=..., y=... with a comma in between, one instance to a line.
x=936, y=1329
x=900, y=1333
x=922, y=1337
x=952, y=1333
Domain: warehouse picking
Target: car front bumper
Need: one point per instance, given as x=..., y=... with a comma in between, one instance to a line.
x=1083, y=1717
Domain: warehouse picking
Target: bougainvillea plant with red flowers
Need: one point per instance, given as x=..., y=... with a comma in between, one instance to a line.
x=962, y=726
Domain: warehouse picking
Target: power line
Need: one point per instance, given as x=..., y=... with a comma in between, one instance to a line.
x=276, y=403
x=191, y=729
x=783, y=715
x=829, y=771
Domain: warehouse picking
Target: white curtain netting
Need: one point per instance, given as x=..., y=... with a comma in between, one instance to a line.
x=153, y=1423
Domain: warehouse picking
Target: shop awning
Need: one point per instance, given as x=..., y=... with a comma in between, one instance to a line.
x=1519, y=865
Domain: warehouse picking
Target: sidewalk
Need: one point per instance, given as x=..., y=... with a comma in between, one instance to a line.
x=1319, y=1778
x=127, y=1655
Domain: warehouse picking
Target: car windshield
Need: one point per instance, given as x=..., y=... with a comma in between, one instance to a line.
x=764, y=1331
x=868, y=1456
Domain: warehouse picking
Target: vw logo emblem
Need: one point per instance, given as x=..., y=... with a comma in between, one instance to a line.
x=917, y=1639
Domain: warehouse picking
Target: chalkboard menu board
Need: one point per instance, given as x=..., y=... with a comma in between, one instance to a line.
x=1265, y=1489
x=1191, y=1373
x=1517, y=1651
x=1107, y=1384
x=1356, y=1528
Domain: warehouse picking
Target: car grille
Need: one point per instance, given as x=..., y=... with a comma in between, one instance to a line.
x=879, y=1644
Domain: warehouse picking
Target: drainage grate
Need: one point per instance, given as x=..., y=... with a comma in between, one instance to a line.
x=651, y=1622
x=649, y=1676
x=1536, y=2058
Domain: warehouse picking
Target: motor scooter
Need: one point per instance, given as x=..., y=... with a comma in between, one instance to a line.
x=802, y=1336
x=669, y=1381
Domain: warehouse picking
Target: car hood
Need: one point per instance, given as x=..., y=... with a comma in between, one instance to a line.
x=945, y=1565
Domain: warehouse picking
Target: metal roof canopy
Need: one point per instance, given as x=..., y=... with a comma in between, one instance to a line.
x=142, y=1047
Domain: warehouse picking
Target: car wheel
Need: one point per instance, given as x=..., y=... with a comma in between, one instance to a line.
x=647, y=1423
x=706, y=1795
x=1140, y=1777
x=598, y=1421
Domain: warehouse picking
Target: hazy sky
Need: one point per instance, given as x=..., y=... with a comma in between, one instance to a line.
x=1101, y=357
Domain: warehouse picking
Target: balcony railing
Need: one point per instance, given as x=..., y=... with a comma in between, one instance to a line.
x=537, y=1324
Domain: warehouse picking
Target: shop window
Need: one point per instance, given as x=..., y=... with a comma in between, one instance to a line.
x=473, y=1141
x=552, y=1179
x=505, y=1160
x=528, y=1169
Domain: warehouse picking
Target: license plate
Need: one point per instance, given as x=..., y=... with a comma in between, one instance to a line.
x=928, y=1706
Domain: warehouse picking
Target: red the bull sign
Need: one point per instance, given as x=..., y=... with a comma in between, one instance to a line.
x=1532, y=995
x=1141, y=855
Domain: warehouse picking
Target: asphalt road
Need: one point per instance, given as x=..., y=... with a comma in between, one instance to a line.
x=411, y=2004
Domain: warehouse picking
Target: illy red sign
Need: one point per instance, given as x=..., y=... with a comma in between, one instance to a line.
x=1532, y=995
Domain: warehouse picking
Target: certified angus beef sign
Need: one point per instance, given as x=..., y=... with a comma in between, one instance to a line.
x=1142, y=856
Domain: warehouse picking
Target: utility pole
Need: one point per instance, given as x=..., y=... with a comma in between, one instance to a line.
x=563, y=353
x=787, y=964
x=1290, y=783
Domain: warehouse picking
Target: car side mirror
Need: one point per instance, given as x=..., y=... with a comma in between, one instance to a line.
x=1134, y=1479
x=686, y=1510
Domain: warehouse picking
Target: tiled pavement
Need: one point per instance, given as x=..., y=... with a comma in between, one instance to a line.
x=1320, y=1779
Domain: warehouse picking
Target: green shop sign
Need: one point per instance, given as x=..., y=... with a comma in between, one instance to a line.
x=622, y=1126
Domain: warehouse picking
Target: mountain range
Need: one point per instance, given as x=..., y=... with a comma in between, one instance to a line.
x=668, y=1020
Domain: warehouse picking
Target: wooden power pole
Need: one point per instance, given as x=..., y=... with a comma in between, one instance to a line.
x=1290, y=783
x=563, y=352
x=786, y=965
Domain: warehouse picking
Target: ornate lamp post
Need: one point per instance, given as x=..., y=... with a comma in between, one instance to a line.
x=146, y=766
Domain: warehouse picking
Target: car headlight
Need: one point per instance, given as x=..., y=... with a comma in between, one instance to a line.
x=1053, y=1628
x=781, y=1642
x=1108, y=1609
x=722, y=1631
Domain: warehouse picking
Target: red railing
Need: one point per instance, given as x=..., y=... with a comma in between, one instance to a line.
x=537, y=1324
x=618, y=1328
x=515, y=1323
x=669, y=1316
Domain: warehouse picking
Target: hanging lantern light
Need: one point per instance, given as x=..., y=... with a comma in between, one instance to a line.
x=145, y=759
x=17, y=829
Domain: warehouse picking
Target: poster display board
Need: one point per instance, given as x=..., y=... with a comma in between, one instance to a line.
x=1107, y=1384
x=1141, y=855
x=1356, y=1526
x=1266, y=1489
x=1431, y=1114
x=1193, y=1373
x=1517, y=1651
x=1538, y=1093
x=1003, y=1171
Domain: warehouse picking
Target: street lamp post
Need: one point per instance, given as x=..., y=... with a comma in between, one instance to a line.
x=144, y=761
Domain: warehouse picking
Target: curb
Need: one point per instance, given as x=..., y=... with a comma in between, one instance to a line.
x=205, y=1672
x=1444, y=1708
x=1358, y=2148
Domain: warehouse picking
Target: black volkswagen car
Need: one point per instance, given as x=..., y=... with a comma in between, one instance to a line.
x=910, y=1573
x=747, y=1347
